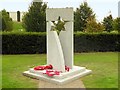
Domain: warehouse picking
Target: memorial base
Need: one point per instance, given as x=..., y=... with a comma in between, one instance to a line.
x=63, y=78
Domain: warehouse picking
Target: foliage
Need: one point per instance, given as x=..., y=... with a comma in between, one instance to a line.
x=31, y=43
x=108, y=23
x=3, y=24
x=7, y=24
x=116, y=24
x=17, y=27
x=35, y=19
x=93, y=26
x=23, y=43
x=81, y=15
x=96, y=42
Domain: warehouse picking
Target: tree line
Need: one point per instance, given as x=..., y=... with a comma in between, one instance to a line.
x=84, y=20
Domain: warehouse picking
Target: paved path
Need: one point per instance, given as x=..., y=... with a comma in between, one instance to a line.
x=75, y=84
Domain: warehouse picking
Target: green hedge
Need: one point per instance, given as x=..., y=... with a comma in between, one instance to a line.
x=23, y=43
x=101, y=42
x=31, y=43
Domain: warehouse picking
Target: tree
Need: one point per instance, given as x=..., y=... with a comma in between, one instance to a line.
x=116, y=24
x=7, y=24
x=108, y=23
x=3, y=25
x=1, y=21
x=93, y=26
x=35, y=19
x=81, y=15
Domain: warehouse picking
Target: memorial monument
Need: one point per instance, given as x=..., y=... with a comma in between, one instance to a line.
x=60, y=67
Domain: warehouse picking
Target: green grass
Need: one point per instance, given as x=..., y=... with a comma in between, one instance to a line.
x=17, y=27
x=13, y=67
x=103, y=65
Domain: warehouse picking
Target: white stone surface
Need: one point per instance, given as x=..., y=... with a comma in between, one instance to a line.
x=65, y=39
x=21, y=15
x=13, y=15
x=63, y=78
x=55, y=55
x=53, y=13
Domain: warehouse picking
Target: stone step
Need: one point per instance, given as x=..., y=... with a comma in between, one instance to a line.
x=58, y=79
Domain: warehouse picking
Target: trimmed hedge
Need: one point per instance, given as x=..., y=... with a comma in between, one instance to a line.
x=102, y=42
x=31, y=43
x=23, y=43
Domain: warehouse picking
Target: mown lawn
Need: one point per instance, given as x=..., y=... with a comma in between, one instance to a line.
x=103, y=65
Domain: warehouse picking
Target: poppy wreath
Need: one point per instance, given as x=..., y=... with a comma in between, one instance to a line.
x=48, y=70
x=51, y=73
x=43, y=67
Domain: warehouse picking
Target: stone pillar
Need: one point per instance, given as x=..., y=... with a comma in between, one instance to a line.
x=60, y=47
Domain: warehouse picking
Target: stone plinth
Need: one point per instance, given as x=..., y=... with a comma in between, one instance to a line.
x=61, y=79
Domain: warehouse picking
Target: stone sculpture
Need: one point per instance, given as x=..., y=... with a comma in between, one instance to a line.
x=60, y=68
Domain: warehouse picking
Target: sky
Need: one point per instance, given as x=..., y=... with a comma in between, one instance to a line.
x=101, y=8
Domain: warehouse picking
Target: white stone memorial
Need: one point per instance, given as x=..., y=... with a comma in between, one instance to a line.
x=59, y=48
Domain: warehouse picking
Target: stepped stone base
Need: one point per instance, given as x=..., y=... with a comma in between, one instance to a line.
x=63, y=78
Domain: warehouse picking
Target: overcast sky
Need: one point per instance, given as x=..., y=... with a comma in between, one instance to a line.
x=100, y=7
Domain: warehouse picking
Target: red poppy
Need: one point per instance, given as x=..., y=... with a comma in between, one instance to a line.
x=43, y=67
x=67, y=68
x=52, y=72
